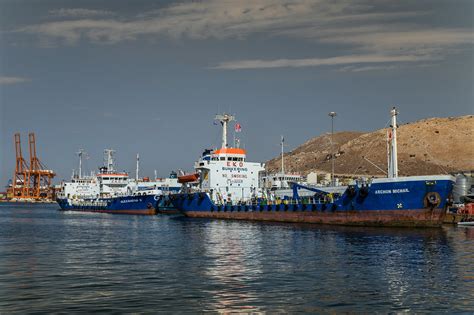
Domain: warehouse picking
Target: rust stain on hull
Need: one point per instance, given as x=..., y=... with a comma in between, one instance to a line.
x=141, y=212
x=399, y=218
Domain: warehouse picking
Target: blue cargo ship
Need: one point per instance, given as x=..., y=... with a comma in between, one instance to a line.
x=145, y=204
x=110, y=191
x=419, y=201
x=227, y=190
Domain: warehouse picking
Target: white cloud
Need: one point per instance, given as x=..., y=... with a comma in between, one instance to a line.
x=315, y=62
x=365, y=28
x=368, y=68
x=79, y=12
x=12, y=80
x=221, y=19
x=383, y=39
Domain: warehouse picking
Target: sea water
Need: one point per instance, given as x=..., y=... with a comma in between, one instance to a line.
x=53, y=261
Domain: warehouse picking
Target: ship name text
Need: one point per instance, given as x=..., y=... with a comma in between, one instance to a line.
x=392, y=191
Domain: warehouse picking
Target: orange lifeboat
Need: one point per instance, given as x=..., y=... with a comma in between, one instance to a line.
x=188, y=178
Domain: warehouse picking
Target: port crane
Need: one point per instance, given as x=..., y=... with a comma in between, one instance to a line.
x=31, y=181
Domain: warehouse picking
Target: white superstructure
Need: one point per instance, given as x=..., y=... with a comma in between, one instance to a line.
x=109, y=183
x=280, y=180
x=225, y=173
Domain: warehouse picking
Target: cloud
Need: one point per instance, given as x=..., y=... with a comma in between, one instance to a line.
x=315, y=62
x=368, y=68
x=12, y=80
x=364, y=27
x=224, y=19
x=78, y=12
x=383, y=38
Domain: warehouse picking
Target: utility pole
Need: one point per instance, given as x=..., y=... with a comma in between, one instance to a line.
x=332, y=115
x=282, y=152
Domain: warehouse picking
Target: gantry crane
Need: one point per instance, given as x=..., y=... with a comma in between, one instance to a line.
x=40, y=178
x=33, y=181
x=20, y=178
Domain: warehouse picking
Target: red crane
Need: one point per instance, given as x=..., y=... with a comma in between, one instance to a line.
x=40, y=178
x=20, y=186
x=33, y=181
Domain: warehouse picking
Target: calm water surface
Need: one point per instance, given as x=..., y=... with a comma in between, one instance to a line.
x=52, y=261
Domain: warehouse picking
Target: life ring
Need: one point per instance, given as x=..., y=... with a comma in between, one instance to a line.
x=432, y=199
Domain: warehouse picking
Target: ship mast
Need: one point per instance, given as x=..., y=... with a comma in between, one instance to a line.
x=393, y=168
x=389, y=163
x=80, y=153
x=138, y=167
x=224, y=120
x=109, y=159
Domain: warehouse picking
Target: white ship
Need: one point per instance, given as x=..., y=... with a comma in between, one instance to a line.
x=113, y=191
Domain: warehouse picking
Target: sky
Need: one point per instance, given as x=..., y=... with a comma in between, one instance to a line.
x=148, y=77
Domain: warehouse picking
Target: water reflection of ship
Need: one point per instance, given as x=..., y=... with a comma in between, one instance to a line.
x=232, y=270
x=240, y=255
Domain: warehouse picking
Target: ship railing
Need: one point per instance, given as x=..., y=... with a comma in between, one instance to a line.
x=262, y=202
x=84, y=203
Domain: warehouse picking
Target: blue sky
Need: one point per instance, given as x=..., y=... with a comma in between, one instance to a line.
x=148, y=76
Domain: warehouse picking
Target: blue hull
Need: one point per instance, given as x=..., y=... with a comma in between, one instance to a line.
x=400, y=202
x=120, y=205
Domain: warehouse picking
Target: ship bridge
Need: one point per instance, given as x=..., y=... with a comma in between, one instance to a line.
x=229, y=154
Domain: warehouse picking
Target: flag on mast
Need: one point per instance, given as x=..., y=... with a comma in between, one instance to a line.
x=238, y=127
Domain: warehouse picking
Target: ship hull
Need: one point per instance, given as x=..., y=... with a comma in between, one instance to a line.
x=165, y=206
x=394, y=203
x=395, y=218
x=144, y=205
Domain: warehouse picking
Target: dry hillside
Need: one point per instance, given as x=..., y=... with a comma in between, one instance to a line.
x=429, y=146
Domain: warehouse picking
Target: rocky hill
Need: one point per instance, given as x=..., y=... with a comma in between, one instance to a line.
x=429, y=146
